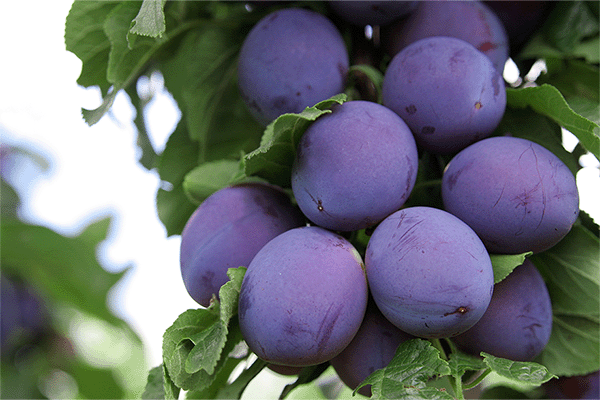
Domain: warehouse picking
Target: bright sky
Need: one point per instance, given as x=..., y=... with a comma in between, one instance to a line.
x=94, y=170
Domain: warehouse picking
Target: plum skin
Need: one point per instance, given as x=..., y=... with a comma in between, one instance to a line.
x=372, y=348
x=348, y=161
x=518, y=321
x=428, y=272
x=371, y=12
x=517, y=195
x=227, y=230
x=291, y=59
x=472, y=21
x=303, y=297
x=448, y=93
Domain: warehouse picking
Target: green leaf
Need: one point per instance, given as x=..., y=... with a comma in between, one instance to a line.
x=202, y=76
x=207, y=349
x=235, y=389
x=307, y=375
x=91, y=117
x=209, y=177
x=171, y=390
x=518, y=371
x=373, y=82
x=178, y=158
x=196, y=347
x=85, y=37
x=568, y=24
x=547, y=100
x=150, y=21
x=274, y=158
x=503, y=264
x=177, y=344
x=220, y=381
x=572, y=275
x=94, y=382
x=155, y=385
x=61, y=267
x=406, y=376
x=460, y=363
x=208, y=343
x=573, y=78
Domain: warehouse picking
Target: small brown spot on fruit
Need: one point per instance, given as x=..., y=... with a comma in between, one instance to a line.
x=478, y=105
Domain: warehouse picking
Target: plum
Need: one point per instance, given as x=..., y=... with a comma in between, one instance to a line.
x=371, y=12
x=517, y=195
x=227, y=230
x=291, y=59
x=428, y=272
x=372, y=348
x=447, y=91
x=471, y=21
x=303, y=297
x=518, y=321
x=348, y=161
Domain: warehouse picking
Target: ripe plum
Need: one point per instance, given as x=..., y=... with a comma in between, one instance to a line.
x=517, y=195
x=518, y=321
x=291, y=59
x=372, y=348
x=447, y=91
x=371, y=12
x=428, y=272
x=227, y=230
x=471, y=21
x=303, y=297
x=349, y=161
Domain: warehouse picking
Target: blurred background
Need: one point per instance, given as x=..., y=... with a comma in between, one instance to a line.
x=84, y=194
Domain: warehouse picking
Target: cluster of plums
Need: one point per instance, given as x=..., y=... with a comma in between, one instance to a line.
x=308, y=295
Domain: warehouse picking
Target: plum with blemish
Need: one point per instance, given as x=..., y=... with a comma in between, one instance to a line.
x=447, y=91
x=428, y=272
x=227, y=230
x=291, y=59
x=471, y=21
x=303, y=297
x=354, y=166
x=516, y=194
x=518, y=321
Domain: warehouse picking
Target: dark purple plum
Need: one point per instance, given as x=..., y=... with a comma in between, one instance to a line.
x=471, y=21
x=521, y=19
x=518, y=321
x=428, y=272
x=372, y=348
x=227, y=230
x=24, y=314
x=574, y=387
x=291, y=59
x=303, y=297
x=449, y=93
x=371, y=12
x=348, y=161
x=517, y=195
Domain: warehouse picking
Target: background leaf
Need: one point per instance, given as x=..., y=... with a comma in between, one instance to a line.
x=547, y=100
x=572, y=274
x=61, y=267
